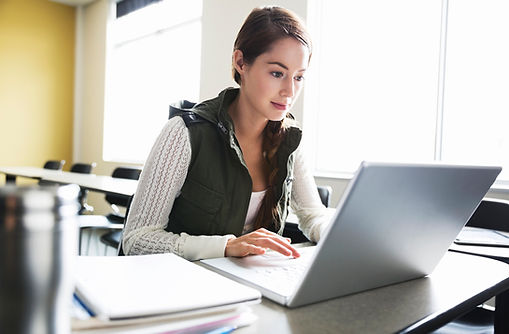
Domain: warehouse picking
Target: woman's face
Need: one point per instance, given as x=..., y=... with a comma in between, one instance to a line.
x=272, y=83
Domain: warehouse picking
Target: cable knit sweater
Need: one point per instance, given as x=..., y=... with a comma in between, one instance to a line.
x=160, y=182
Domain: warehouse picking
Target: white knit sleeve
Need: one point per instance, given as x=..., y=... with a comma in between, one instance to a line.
x=160, y=183
x=312, y=214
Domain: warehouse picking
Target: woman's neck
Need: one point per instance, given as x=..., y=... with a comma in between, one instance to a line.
x=248, y=124
x=249, y=131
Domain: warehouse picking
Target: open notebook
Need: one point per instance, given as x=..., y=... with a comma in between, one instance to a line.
x=120, y=287
x=394, y=223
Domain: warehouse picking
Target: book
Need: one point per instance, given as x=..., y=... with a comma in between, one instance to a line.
x=130, y=287
x=223, y=320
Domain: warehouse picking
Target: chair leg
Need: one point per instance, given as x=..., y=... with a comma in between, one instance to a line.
x=79, y=241
x=88, y=241
x=501, y=311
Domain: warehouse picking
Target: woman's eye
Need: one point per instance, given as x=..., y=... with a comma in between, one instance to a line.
x=299, y=78
x=277, y=74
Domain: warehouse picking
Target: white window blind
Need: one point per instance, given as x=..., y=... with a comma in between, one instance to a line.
x=476, y=95
x=410, y=80
x=154, y=60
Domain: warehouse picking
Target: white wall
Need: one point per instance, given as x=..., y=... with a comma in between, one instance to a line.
x=221, y=21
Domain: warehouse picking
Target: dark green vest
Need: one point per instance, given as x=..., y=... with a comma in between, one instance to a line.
x=216, y=193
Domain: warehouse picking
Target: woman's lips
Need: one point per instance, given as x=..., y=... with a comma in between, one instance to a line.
x=279, y=106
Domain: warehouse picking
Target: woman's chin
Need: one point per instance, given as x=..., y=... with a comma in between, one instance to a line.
x=279, y=117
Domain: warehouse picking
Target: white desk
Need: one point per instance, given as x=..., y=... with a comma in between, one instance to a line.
x=459, y=283
x=101, y=183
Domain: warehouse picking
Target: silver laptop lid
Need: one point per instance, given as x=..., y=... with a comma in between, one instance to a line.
x=394, y=223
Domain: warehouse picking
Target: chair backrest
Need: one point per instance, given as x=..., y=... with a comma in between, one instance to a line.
x=123, y=173
x=83, y=168
x=54, y=164
x=120, y=250
x=325, y=193
x=492, y=214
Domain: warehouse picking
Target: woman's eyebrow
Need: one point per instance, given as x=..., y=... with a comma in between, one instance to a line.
x=277, y=63
x=283, y=66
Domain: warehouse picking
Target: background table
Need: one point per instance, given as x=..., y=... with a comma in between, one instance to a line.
x=100, y=183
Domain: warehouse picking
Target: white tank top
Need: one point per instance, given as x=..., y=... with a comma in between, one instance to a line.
x=254, y=205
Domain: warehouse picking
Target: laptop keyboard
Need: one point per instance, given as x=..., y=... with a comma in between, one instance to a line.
x=280, y=273
x=271, y=271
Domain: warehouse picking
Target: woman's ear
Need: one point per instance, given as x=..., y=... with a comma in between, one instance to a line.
x=238, y=61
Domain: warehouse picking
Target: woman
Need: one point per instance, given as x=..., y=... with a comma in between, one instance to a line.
x=221, y=175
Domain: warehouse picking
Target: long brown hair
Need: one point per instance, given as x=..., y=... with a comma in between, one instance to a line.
x=261, y=29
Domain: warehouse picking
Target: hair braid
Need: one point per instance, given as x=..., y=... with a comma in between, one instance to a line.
x=267, y=217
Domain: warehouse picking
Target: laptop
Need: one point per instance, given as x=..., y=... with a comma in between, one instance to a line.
x=394, y=223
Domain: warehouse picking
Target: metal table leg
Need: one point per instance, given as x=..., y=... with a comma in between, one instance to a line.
x=502, y=312
x=10, y=179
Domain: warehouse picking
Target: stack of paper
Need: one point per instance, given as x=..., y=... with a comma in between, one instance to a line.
x=482, y=237
x=156, y=293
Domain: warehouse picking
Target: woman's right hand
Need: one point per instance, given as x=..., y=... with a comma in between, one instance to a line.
x=257, y=242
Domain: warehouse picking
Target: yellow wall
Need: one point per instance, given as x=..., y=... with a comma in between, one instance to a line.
x=36, y=82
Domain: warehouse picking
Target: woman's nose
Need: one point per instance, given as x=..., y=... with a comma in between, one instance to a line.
x=288, y=89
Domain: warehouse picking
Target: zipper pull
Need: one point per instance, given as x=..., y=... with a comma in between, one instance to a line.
x=222, y=127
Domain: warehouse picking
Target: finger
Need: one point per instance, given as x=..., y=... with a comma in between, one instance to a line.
x=245, y=249
x=255, y=250
x=275, y=244
x=285, y=242
x=262, y=231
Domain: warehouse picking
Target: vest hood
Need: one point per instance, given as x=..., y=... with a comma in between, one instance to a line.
x=216, y=110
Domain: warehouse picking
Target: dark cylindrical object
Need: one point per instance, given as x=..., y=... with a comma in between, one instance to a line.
x=38, y=245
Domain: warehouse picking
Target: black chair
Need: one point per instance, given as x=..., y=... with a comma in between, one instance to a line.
x=113, y=220
x=291, y=229
x=54, y=164
x=325, y=192
x=114, y=238
x=121, y=200
x=83, y=168
x=490, y=214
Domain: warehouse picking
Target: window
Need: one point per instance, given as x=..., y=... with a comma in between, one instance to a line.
x=409, y=80
x=154, y=60
x=476, y=95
